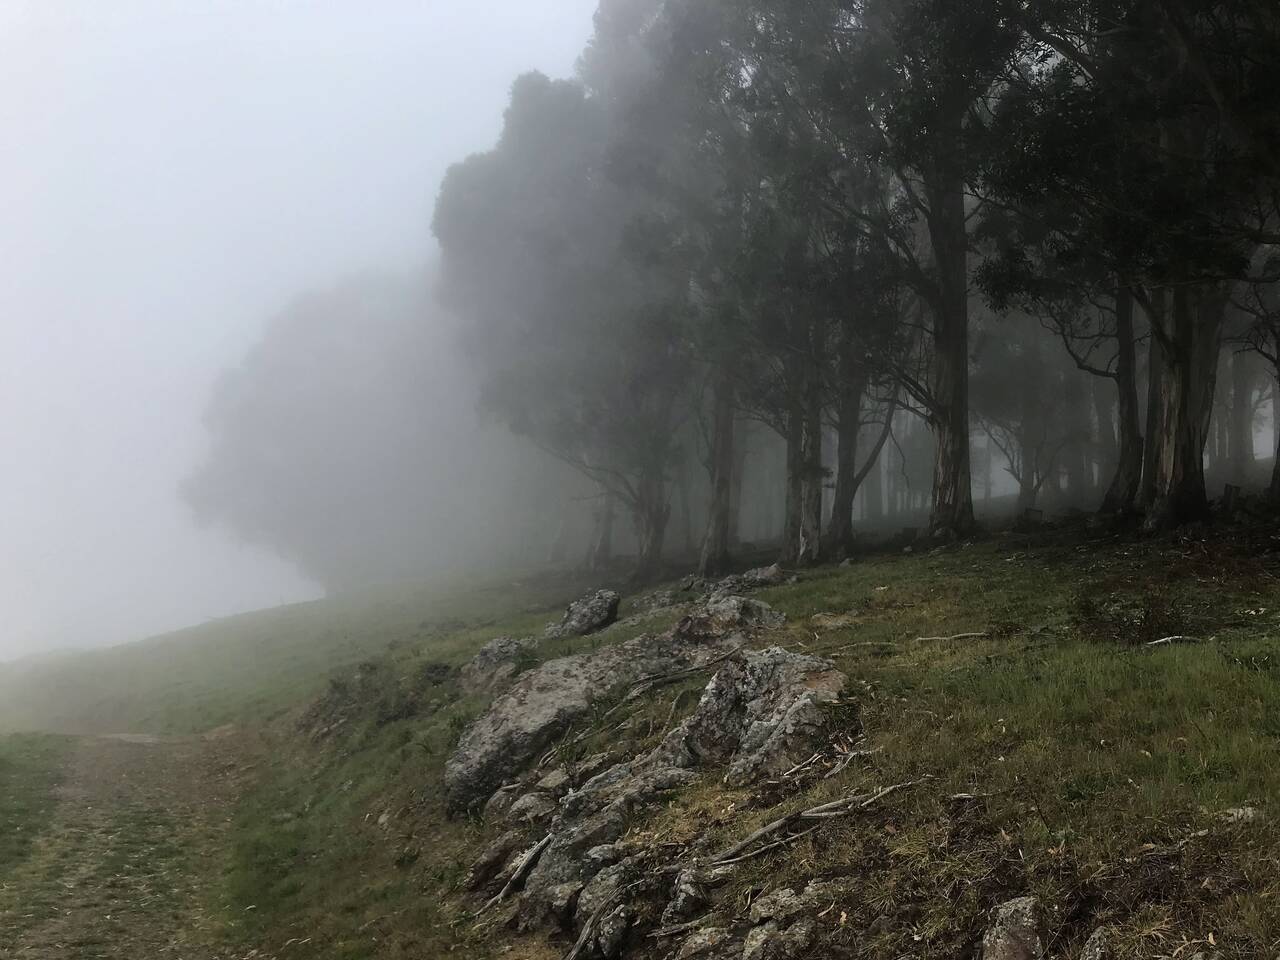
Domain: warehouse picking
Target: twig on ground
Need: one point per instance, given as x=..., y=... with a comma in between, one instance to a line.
x=956, y=636
x=824, y=811
x=848, y=759
x=1177, y=638
x=521, y=871
x=589, y=928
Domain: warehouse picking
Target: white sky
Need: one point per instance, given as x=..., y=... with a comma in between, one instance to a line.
x=171, y=173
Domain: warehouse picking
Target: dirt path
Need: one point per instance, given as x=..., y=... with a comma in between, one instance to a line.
x=130, y=864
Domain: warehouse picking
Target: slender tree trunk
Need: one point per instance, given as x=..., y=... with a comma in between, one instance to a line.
x=814, y=473
x=1241, y=442
x=1106, y=454
x=715, y=545
x=853, y=388
x=1189, y=342
x=601, y=553
x=1128, y=476
x=952, y=513
x=1156, y=375
x=651, y=512
x=1077, y=417
x=873, y=488
x=793, y=503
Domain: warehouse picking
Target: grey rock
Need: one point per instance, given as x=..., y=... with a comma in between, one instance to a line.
x=770, y=942
x=611, y=931
x=496, y=663
x=1016, y=932
x=769, y=576
x=1099, y=946
x=593, y=612
x=535, y=807
x=544, y=702
x=556, y=782
x=781, y=905
x=709, y=943
x=739, y=613
x=497, y=805
x=604, y=887
x=495, y=857
x=1237, y=815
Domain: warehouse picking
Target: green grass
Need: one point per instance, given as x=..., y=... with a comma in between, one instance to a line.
x=253, y=668
x=30, y=771
x=1095, y=767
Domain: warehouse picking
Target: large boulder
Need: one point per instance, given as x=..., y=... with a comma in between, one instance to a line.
x=593, y=612
x=543, y=702
x=496, y=663
x=760, y=715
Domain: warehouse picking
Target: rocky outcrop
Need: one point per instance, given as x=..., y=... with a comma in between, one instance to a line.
x=497, y=662
x=543, y=702
x=759, y=716
x=1016, y=932
x=593, y=612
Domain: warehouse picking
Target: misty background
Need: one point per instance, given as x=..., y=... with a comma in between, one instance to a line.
x=175, y=178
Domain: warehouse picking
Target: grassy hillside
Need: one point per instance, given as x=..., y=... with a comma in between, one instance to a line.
x=251, y=668
x=1068, y=753
x=1098, y=769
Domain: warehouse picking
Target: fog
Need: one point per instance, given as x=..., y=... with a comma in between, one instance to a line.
x=174, y=175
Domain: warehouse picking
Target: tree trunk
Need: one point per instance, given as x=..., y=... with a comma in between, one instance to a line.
x=1188, y=339
x=853, y=388
x=1128, y=476
x=814, y=473
x=1156, y=374
x=952, y=513
x=650, y=514
x=873, y=488
x=1077, y=423
x=1241, y=440
x=793, y=505
x=715, y=545
x=1104, y=410
x=600, y=554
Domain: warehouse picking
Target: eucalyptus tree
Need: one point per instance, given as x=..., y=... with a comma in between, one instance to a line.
x=579, y=333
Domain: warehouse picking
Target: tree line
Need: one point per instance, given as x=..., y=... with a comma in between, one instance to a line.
x=1046, y=223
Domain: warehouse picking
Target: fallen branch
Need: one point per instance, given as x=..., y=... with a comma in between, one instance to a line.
x=956, y=636
x=517, y=877
x=824, y=811
x=848, y=759
x=589, y=928
x=1174, y=639
x=645, y=684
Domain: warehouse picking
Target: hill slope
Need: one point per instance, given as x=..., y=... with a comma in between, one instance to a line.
x=1046, y=734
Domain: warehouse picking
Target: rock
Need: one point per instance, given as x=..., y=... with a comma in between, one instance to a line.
x=604, y=855
x=769, y=942
x=535, y=807
x=496, y=663
x=759, y=713
x=497, y=805
x=782, y=904
x=542, y=703
x=1099, y=946
x=605, y=886
x=494, y=858
x=724, y=614
x=556, y=782
x=769, y=576
x=846, y=563
x=1241, y=815
x=591, y=613
x=709, y=943
x=658, y=600
x=1016, y=932
x=611, y=931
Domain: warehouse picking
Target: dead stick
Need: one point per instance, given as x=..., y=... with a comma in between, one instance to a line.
x=521, y=871
x=957, y=636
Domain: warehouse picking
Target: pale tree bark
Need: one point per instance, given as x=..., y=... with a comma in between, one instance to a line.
x=853, y=388
x=715, y=545
x=952, y=513
x=1124, y=485
x=651, y=512
x=1242, y=411
x=600, y=553
x=1188, y=335
x=810, y=548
